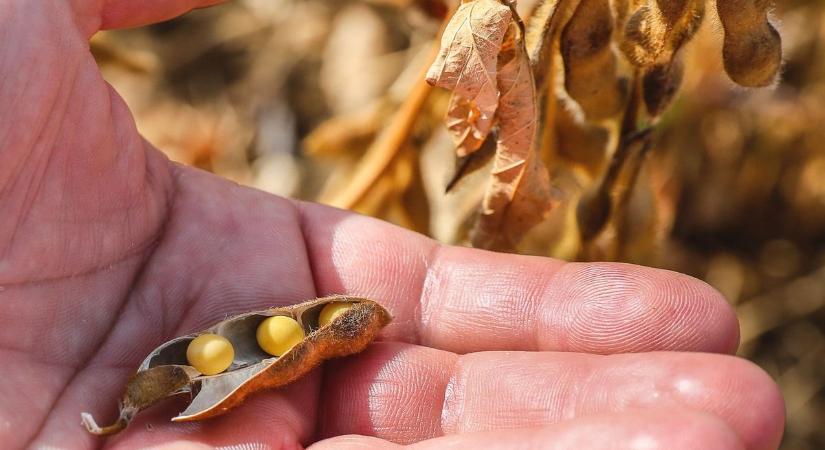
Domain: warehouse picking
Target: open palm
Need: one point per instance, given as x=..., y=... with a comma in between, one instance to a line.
x=108, y=249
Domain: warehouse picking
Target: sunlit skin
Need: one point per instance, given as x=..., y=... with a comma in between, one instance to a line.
x=107, y=250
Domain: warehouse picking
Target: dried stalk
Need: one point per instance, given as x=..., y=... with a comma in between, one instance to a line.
x=595, y=207
x=389, y=143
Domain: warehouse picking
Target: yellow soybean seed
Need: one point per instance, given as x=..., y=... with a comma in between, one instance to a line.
x=277, y=334
x=332, y=311
x=210, y=354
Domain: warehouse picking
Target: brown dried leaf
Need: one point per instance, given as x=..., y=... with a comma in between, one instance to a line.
x=466, y=65
x=465, y=165
x=518, y=196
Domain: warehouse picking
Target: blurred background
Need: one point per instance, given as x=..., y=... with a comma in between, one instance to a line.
x=296, y=97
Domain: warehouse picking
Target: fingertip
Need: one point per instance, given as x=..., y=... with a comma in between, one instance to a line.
x=354, y=442
x=618, y=308
x=761, y=417
x=648, y=429
x=698, y=429
x=670, y=429
x=715, y=315
x=125, y=13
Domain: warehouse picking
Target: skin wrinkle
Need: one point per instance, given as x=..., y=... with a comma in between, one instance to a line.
x=448, y=393
x=298, y=209
x=450, y=413
x=422, y=306
x=543, y=304
x=28, y=198
x=500, y=301
x=156, y=236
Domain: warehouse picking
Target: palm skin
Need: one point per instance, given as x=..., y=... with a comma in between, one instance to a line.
x=108, y=249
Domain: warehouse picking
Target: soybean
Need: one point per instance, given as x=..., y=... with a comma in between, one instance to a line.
x=278, y=334
x=332, y=311
x=210, y=354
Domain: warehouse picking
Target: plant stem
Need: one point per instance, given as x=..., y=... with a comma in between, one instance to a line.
x=386, y=146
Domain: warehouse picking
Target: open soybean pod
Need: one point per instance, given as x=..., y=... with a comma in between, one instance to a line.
x=590, y=76
x=752, y=52
x=166, y=371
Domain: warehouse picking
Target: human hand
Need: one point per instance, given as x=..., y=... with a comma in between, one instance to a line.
x=107, y=249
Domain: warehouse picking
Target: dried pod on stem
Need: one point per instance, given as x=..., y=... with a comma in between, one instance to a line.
x=652, y=39
x=656, y=31
x=752, y=52
x=590, y=76
x=660, y=83
x=166, y=371
x=593, y=212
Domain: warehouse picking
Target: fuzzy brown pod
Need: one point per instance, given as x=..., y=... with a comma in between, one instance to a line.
x=653, y=38
x=752, y=52
x=657, y=30
x=590, y=71
x=580, y=142
x=660, y=83
x=166, y=373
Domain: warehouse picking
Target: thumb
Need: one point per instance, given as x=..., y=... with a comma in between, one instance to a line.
x=94, y=15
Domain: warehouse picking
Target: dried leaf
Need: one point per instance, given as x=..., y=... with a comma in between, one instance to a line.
x=466, y=165
x=466, y=65
x=484, y=61
x=518, y=196
x=165, y=372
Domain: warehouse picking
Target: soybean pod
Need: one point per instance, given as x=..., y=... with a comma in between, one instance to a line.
x=752, y=52
x=265, y=349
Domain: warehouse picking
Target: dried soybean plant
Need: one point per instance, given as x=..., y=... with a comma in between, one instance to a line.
x=614, y=56
x=574, y=88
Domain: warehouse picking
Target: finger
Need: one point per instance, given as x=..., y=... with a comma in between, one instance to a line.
x=97, y=15
x=466, y=300
x=406, y=393
x=661, y=429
